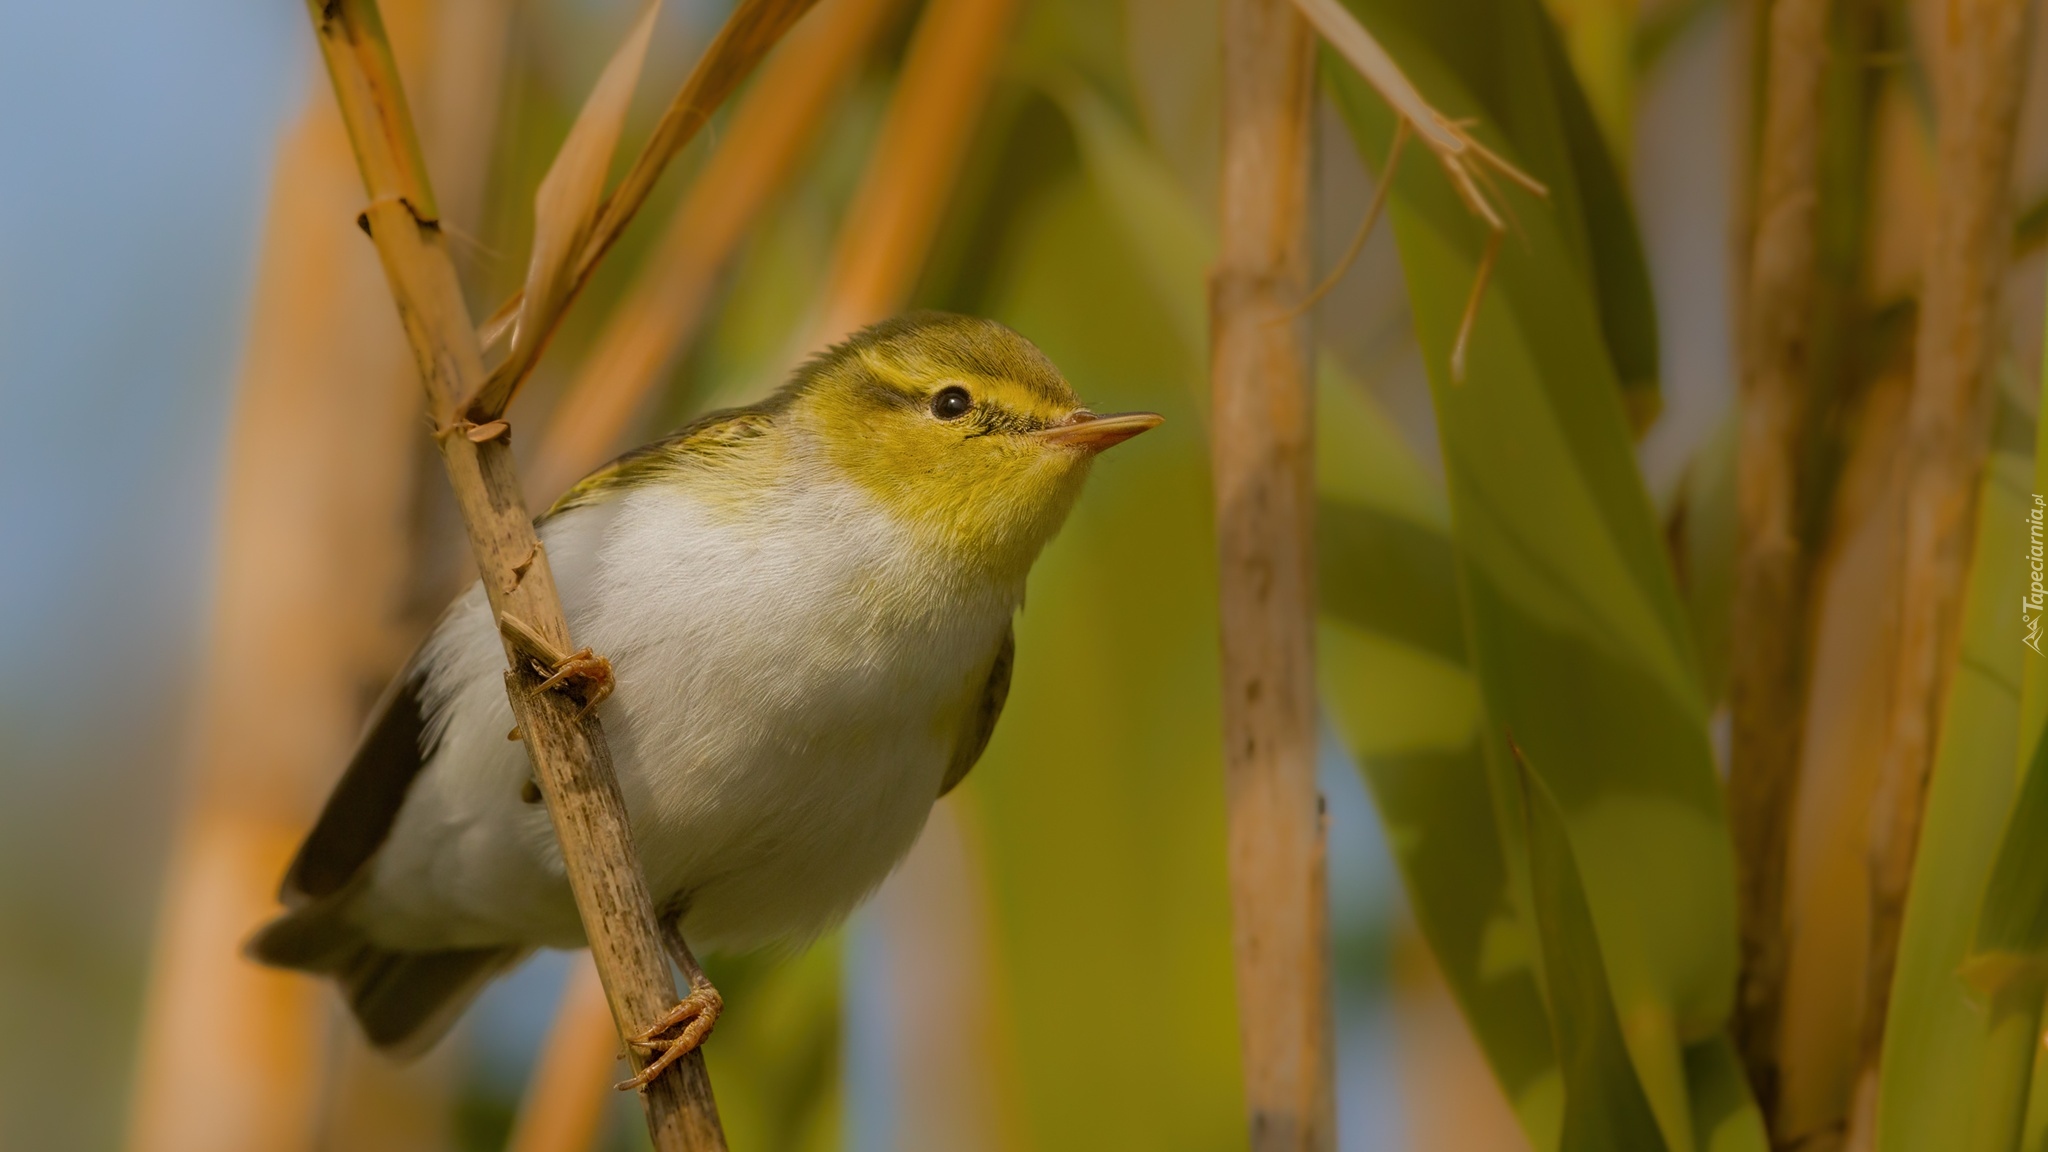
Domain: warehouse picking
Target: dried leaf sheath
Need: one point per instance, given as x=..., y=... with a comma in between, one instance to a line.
x=1767, y=678
x=565, y=206
x=570, y=759
x=748, y=34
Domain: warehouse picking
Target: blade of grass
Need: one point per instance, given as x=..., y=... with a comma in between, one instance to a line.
x=567, y=748
x=656, y=319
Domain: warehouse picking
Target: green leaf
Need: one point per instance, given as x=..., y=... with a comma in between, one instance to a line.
x=2012, y=929
x=1724, y=1116
x=2011, y=941
x=1614, y=248
x=1604, y=1105
x=1504, y=60
x=1575, y=629
x=1391, y=652
x=1940, y=1045
x=2008, y=959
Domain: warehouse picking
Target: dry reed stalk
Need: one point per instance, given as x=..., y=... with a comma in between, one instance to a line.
x=1828, y=882
x=747, y=35
x=311, y=570
x=659, y=314
x=1766, y=675
x=896, y=212
x=1261, y=443
x=569, y=755
x=564, y=1107
x=1981, y=73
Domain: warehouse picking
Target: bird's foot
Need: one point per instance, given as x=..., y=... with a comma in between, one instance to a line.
x=586, y=669
x=677, y=1034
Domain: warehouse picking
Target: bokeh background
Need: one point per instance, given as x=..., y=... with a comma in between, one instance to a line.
x=1051, y=969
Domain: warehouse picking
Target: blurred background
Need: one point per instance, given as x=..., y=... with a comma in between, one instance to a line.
x=221, y=528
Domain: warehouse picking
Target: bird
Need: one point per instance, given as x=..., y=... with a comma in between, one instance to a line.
x=805, y=610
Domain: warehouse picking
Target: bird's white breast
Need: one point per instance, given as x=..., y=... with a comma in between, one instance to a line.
x=791, y=685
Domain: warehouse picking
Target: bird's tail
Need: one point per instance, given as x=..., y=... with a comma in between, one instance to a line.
x=405, y=1001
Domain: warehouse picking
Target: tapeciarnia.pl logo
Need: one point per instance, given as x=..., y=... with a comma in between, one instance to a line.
x=2037, y=597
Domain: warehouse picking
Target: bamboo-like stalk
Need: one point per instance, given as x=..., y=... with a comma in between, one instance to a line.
x=748, y=34
x=660, y=312
x=1981, y=72
x=569, y=755
x=1261, y=444
x=1766, y=674
x=896, y=212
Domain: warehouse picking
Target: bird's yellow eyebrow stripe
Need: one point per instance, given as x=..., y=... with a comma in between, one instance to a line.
x=1010, y=396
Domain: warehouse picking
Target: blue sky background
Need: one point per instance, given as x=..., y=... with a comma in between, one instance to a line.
x=137, y=140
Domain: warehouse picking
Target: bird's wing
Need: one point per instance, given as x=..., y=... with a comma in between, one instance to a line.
x=364, y=805
x=708, y=436
x=362, y=808
x=981, y=722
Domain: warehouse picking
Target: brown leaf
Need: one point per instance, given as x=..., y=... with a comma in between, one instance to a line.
x=569, y=196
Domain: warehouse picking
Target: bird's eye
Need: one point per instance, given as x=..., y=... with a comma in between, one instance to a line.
x=951, y=402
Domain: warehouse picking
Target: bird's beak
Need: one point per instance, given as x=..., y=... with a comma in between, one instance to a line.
x=1084, y=429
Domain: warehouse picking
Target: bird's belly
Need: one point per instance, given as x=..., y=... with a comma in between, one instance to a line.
x=768, y=803
x=779, y=738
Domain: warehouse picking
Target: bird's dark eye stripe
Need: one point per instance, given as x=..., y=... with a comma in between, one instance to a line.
x=951, y=402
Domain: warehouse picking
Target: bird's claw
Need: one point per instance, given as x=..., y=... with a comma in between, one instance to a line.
x=582, y=667
x=691, y=1021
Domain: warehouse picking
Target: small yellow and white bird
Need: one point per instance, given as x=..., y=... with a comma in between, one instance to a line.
x=807, y=608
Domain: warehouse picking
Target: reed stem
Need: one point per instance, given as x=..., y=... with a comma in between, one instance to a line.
x=1262, y=437
x=571, y=761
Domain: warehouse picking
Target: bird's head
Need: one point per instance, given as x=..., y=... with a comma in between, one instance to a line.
x=960, y=427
